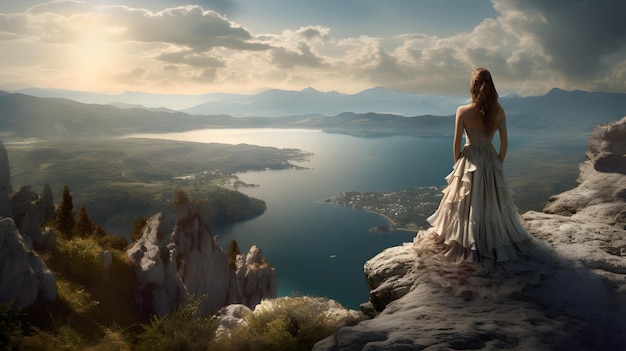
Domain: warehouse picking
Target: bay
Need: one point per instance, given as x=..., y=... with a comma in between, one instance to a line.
x=319, y=248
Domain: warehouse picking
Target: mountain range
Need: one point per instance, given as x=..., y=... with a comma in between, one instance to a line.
x=558, y=111
x=271, y=103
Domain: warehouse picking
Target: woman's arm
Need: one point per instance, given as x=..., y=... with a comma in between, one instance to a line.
x=458, y=134
x=504, y=138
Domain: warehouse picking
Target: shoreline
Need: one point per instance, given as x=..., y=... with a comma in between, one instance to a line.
x=390, y=224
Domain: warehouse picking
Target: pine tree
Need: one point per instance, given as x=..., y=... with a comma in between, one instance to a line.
x=140, y=222
x=233, y=251
x=65, y=213
x=99, y=232
x=84, y=225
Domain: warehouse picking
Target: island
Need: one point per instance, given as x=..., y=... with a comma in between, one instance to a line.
x=405, y=210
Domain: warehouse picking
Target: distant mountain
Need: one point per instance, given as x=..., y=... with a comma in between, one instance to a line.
x=558, y=112
x=33, y=117
x=147, y=100
x=273, y=103
x=129, y=106
x=561, y=110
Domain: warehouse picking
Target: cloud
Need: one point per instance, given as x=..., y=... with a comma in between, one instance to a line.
x=530, y=47
x=189, y=26
x=290, y=59
x=577, y=36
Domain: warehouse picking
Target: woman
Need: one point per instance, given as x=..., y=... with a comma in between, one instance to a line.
x=477, y=220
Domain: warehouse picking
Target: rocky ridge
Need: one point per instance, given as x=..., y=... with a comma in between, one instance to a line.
x=190, y=261
x=578, y=302
x=24, y=277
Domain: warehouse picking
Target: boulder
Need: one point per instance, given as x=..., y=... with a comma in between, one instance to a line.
x=601, y=193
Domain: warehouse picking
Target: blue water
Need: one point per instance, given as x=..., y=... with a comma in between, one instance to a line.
x=320, y=248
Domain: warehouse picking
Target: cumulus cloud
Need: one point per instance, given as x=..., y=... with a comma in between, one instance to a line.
x=289, y=59
x=578, y=37
x=530, y=46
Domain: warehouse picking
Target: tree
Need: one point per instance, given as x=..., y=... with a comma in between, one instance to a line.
x=99, y=232
x=65, y=213
x=84, y=225
x=140, y=222
x=233, y=251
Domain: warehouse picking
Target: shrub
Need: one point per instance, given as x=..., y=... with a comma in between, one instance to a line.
x=11, y=322
x=183, y=329
x=79, y=260
x=289, y=323
x=111, y=241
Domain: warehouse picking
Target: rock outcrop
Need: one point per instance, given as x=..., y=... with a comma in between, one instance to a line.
x=191, y=262
x=578, y=304
x=23, y=275
x=31, y=212
x=256, y=278
x=5, y=183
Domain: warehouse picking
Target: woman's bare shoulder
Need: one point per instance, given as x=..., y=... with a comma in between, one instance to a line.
x=464, y=108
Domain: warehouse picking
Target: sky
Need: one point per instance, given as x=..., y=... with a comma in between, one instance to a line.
x=247, y=46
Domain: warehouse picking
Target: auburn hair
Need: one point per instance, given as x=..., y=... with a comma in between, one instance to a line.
x=485, y=98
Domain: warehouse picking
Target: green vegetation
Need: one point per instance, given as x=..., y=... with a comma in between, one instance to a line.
x=65, y=214
x=288, y=323
x=182, y=329
x=119, y=180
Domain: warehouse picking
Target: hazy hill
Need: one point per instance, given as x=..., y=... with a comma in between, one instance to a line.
x=274, y=102
x=28, y=116
x=558, y=112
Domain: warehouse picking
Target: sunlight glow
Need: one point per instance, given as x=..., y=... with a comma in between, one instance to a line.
x=92, y=57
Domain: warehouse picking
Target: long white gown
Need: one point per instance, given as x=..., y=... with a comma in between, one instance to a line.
x=476, y=240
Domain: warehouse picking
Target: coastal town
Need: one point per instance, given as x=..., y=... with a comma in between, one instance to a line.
x=404, y=210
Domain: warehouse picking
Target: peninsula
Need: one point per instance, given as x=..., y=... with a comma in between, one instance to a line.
x=403, y=210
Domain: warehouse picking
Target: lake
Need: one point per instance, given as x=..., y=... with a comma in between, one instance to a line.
x=319, y=248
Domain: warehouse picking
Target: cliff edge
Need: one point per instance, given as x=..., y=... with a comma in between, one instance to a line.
x=576, y=302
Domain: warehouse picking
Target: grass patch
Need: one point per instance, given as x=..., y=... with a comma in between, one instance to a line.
x=289, y=323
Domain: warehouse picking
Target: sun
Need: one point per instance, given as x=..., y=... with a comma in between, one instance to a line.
x=92, y=57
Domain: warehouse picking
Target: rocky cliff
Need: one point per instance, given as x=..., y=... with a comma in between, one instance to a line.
x=574, y=299
x=24, y=277
x=5, y=183
x=189, y=261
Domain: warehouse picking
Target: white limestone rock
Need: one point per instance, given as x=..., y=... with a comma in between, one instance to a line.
x=23, y=274
x=191, y=262
x=205, y=270
x=231, y=316
x=256, y=278
x=159, y=289
x=601, y=194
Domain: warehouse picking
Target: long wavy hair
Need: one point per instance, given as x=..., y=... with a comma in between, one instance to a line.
x=485, y=98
